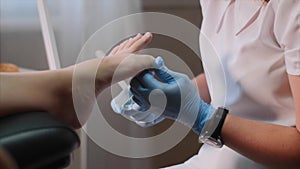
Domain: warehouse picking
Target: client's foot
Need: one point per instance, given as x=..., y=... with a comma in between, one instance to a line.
x=120, y=64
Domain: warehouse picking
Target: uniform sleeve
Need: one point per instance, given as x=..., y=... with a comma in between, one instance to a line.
x=287, y=32
x=204, y=5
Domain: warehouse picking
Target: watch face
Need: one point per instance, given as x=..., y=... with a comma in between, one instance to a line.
x=211, y=141
x=215, y=143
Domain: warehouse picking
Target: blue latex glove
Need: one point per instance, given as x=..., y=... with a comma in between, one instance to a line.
x=174, y=93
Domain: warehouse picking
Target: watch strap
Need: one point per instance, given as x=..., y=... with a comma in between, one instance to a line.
x=221, y=114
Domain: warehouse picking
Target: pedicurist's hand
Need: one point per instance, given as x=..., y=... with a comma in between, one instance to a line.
x=183, y=102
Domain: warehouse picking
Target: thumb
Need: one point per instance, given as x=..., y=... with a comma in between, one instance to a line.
x=163, y=72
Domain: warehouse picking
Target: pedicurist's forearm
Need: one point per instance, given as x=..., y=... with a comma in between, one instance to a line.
x=202, y=86
x=271, y=145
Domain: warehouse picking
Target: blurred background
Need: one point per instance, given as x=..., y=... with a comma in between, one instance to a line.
x=74, y=21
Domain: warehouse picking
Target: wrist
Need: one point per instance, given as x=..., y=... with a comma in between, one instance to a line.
x=211, y=132
x=205, y=113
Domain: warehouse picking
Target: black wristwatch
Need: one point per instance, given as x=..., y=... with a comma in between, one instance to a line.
x=211, y=132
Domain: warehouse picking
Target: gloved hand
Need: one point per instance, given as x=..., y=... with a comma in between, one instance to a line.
x=174, y=93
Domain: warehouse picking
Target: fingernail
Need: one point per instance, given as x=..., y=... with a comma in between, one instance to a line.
x=148, y=34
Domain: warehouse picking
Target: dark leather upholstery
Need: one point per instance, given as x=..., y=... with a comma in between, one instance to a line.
x=37, y=140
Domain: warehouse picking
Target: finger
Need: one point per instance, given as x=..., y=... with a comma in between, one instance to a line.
x=124, y=44
x=121, y=47
x=129, y=43
x=140, y=94
x=137, y=89
x=149, y=81
x=114, y=51
x=133, y=40
x=164, y=76
x=143, y=105
x=163, y=72
x=141, y=43
x=134, y=83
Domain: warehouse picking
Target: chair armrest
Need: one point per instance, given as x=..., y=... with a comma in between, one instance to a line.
x=37, y=140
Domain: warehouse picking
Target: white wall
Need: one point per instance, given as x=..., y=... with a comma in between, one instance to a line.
x=20, y=34
x=73, y=20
